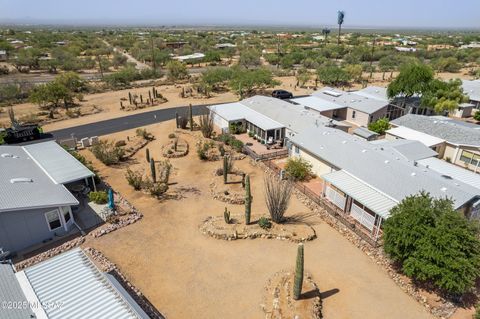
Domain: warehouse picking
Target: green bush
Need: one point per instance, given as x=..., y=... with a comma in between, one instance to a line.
x=107, y=152
x=144, y=134
x=134, y=179
x=171, y=135
x=476, y=116
x=100, y=197
x=264, y=223
x=298, y=169
x=379, y=126
x=477, y=312
x=202, y=150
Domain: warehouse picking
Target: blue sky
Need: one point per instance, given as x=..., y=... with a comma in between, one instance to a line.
x=359, y=13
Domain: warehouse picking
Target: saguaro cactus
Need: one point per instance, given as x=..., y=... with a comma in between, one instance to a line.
x=248, y=200
x=191, y=116
x=152, y=169
x=147, y=154
x=149, y=95
x=141, y=99
x=297, y=285
x=225, y=169
x=226, y=216
x=130, y=97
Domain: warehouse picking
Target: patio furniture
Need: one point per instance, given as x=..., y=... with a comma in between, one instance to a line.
x=270, y=140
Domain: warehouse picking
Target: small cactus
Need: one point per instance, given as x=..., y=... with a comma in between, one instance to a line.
x=147, y=155
x=121, y=105
x=225, y=169
x=153, y=171
x=297, y=286
x=226, y=216
x=248, y=200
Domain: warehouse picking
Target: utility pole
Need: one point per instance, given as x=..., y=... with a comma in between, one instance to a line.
x=371, y=58
x=153, y=53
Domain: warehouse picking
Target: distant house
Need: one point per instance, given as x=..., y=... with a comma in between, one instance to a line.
x=35, y=204
x=455, y=141
x=3, y=55
x=175, y=44
x=358, y=107
x=190, y=57
x=67, y=286
x=405, y=49
x=225, y=45
x=365, y=180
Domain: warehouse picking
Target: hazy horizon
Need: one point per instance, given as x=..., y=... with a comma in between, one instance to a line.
x=427, y=14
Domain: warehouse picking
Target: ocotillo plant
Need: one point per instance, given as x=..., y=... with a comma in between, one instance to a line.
x=191, y=116
x=248, y=200
x=297, y=285
x=226, y=216
x=152, y=169
x=225, y=169
x=147, y=154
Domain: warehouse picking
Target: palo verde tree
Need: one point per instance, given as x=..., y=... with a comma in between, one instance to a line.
x=434, y=243
x=444, y=96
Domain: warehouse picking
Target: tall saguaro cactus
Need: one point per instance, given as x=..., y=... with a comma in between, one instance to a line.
x=147, y=154
x=297, y=285
x=225, y=169
x=152, y=169
x=191, y=116
x=248, y=200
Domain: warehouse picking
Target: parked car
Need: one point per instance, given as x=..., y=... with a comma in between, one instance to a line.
x=282, y=94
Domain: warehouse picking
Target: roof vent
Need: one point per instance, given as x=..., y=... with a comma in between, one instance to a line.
x=413, y=174
x=447, y=177
x=5, y=155
x=21, y=180
x=344, y=142
x=443, y=189
x=364, y=151
x=387, y=161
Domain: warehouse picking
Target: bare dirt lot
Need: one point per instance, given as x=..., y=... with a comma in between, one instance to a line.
x=186, y=274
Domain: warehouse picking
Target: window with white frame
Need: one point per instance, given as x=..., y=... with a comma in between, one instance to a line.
x=53, y=219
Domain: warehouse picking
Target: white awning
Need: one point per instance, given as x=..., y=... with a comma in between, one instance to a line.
x=363, y=193
x=409, y=134
x=57, y=163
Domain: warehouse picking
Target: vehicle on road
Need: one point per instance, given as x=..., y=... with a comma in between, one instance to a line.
x=282, y=94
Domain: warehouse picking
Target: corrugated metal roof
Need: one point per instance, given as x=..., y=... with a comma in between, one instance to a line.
x=317, y=103
x=40, y=191
x=410, y=150
x=364, y=132
x=472, y=89
x=410, y=134
x=10, y=291
x=60, y=165
x=82, y=291
x=361, y=192
x=456, y=172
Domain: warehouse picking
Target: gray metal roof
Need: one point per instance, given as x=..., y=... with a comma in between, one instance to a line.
x=362, y=192
x=364, y=132
x=10, y=291
x=391, y=174
x=60, y=165
x=24, y=185
x=366, y=101
x=454, y=171
x=472, y=89
x=316, y=103
x=453, y=131
x=82, y=290
x=410, y=150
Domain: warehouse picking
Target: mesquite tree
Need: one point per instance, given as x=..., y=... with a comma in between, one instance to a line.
x=277, y=196
x=152, y=170
x=248, y=200
x=297, y=285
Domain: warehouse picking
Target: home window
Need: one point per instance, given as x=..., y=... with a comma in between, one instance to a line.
x=66, y=214
x=53, y=219
x=470, y=158
x=353, y=114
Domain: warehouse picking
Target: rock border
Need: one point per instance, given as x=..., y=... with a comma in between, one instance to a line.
x=207, y=227
x=285, y=276
x=232, y=198
x=105, y=265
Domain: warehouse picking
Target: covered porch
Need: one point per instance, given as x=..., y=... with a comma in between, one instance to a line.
x=357, y=200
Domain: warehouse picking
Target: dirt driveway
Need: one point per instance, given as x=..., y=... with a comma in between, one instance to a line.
x=188, y=275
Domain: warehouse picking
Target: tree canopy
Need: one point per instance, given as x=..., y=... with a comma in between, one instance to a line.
x=379, y=126
x=444, y=96
x=333, y=75
x=434, y=243
x=244, y=82
x=414, y=78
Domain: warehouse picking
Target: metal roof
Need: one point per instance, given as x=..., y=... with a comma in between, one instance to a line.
x=361, y=192
x=366, y=101
x=10, y=291
x=317, y=103
x=364, y=132
x=24, y=185
x=410, y=150
x=383, y=170
x=57, y=163
x=450, y=130
x=413, y=135
x=454, y=171
x=472, y=89
x=82, y=291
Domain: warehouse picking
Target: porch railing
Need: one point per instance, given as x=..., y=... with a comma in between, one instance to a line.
x=263, y=157
x=330, y=208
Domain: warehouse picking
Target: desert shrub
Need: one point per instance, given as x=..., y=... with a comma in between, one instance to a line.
x=264, y=223
x=107, y=152
x=164, y=170
x=229, y=139
x=120, y=143
x=379, y=126
x=155, y=189
x=183, y=120
x=237, y=145
x=100, y=197
x=202, y=150
x=476, y=116
x=144, y=134
x=134, y=179
x=236, y=128
x=171, y=135
x=477, y=312
x=298, y=169
x=206, y=125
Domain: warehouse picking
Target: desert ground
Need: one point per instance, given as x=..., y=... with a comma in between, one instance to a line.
x=186, y=274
